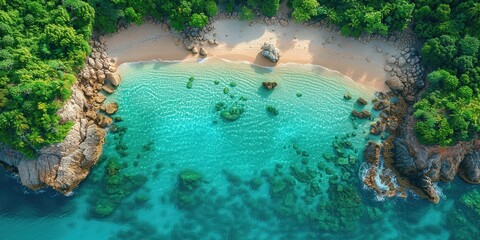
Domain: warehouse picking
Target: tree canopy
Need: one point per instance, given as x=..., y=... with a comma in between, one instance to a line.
x=43, y=45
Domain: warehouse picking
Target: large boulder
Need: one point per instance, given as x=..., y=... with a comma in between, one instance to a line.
x=203, y=52
x=470, y=168
x=113, y=78
x=395, y=84
x=271, y=52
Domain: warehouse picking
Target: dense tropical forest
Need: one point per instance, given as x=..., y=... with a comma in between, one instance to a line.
x=43, y=44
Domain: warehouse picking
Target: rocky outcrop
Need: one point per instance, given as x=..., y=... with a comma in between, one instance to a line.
x=470, y=167
x=421, y=166
x=361, y=101
x=110, y=108
x=380, y=105
x=362, y=114
x=64, y=165
x=372, y=152
x=271, y=52
x=375, y=177
x=269, y=85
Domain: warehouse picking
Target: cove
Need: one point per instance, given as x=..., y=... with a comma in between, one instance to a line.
x=173, y=168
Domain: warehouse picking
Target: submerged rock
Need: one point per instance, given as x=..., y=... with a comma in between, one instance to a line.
x=347, y=96
x=271, y=52
x=272, y=110
x=361, y=101
x=362, y=114
x=269, y=85
x=233, y=113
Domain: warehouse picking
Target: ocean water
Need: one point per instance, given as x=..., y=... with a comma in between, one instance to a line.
x=174, y=168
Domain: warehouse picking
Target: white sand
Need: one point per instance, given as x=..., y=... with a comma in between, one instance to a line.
x=239, y=41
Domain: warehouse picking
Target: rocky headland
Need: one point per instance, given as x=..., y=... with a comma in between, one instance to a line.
x=64, y=165
x=401, y=161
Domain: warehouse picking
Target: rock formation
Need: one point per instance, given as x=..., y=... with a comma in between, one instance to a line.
x=269, y=85
x=203, y=52
x=362, y=114
x=361, y=101
x=64, y=165
x=271, y=52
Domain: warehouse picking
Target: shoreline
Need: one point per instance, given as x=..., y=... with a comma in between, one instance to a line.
x=236, y=40
x=317, y=68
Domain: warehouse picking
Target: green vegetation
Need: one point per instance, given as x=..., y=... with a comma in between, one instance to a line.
x=450, y=109
x=355, y=17
x=182, y=13
x=43, y=43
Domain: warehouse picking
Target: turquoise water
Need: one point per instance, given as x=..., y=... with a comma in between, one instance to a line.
x=173, y=168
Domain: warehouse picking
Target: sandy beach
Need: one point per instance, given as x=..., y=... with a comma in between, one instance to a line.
x=240, y=41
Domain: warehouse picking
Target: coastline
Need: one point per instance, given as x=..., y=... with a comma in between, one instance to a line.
x=235, y=40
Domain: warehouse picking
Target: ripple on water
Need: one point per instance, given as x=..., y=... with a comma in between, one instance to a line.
x=253, y=185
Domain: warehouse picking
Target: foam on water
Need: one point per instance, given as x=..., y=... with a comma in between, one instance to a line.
x=171, y=128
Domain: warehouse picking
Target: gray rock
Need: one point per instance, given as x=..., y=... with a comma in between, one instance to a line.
x=271, y=52
x=395, y=84
x=387, y=68
x=392, y=60
x=402, y=62
x=470, y=168
x=283, y=22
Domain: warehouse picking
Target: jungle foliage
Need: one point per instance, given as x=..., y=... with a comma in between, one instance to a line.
x=450, y=109
x=43, y=43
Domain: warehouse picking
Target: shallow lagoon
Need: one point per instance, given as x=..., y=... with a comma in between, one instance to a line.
x=173, y=168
